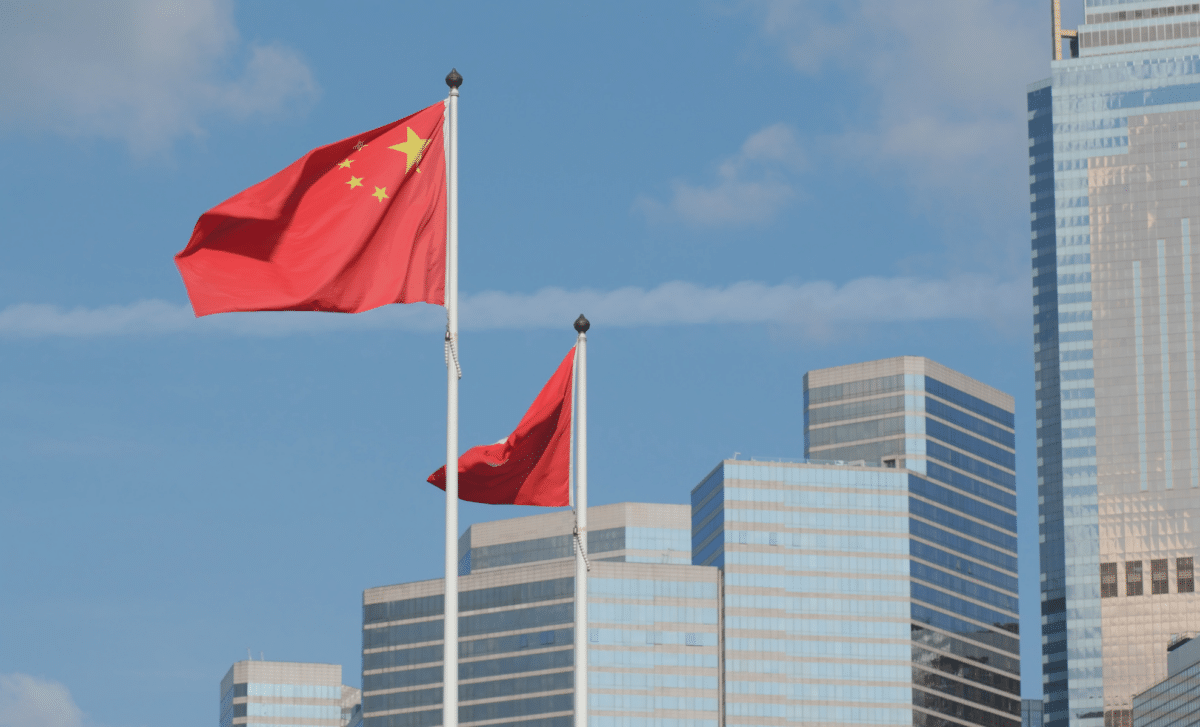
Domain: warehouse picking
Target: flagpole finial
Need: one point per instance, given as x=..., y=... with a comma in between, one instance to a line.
x=454, y=78
x=582, y=324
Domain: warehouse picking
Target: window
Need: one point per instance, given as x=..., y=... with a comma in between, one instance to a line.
x=547, y=637
x=692, y=639
x=1183, y=575
x=1133, y=578
x=1158, y=577
x=1108, y=580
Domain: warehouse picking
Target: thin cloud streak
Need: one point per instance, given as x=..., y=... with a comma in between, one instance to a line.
x=814, y=308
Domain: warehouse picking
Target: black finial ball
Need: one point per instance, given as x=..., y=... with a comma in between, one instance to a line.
x=454, y=78
x=582, y=324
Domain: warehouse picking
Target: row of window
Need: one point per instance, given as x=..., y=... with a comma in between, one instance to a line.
x=966, y=649
x=650, y=638
x=960, y=544
x=428, y=606
x=1138, y=14
x=971, y=444
x=471, y=670
x=954, y=562
x=962, y=503
x=647, y=614
x=629, y=588
x=967, y=670
x=495, y=689
x=1003, y=498
x=515, y=620
x=1159, y=578
x=958, y=585
x=967, y=630
x=962, y=419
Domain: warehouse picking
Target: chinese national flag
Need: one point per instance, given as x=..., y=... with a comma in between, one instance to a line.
x=532, y=466
x=348, y=227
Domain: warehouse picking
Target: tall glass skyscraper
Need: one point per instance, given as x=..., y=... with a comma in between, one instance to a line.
x=1112, y=133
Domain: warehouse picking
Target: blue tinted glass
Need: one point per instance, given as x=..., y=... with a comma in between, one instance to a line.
x=961, y=503
x=970, y=464
x=974, y=445
x=954, y=561
x=963, y=525
x=966, y=401
x=968, y=422
x=972, y=486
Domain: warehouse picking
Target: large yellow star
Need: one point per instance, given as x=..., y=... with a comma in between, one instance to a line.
x=380, y=193
x=345, y=163
x=412, y=148
x=354, y=181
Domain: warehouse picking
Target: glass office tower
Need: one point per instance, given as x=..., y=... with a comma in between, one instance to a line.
x=652, y=637
x=876, y=582
x=1112, y=133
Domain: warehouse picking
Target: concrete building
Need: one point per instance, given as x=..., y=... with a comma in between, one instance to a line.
x=263, y=693
x=652, y=637
x=1175, y=701
x=1113, y=134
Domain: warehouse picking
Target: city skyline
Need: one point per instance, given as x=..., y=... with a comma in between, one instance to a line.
x=729, y=196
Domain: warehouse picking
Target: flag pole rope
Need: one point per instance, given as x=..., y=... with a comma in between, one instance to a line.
x=452, y=352
x=579, y=544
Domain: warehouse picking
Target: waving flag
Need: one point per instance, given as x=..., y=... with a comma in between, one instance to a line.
x=532, y=466
x=348, y=227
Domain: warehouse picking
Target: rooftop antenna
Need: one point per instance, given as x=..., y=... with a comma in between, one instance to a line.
x=735, y=455
x=249, y=657
x=261, y=657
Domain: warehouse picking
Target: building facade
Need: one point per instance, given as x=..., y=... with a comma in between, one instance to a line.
x=876, y=582
x=652, y=637
x=1031, y=713
x=1175, y=701
x=270, y=693
x=1112, y=135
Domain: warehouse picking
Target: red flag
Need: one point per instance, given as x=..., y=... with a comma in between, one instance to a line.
x=532, y=466
x=348, y=227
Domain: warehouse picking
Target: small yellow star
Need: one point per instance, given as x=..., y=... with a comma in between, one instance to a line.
x=380, y=193
x=355, y=181
x=345, y=163
x=412, y=148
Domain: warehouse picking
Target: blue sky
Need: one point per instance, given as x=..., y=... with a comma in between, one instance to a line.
x=733, y=192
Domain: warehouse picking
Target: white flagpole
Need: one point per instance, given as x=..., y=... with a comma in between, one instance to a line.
x=581, y=564
x=450, y=635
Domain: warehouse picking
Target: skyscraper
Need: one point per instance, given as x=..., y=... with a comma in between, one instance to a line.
x=1111, y=135
x=261, y=693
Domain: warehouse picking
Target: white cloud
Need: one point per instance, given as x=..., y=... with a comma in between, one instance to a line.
x=814, y=309
x=751, y=186
x=27, y=701
x=942, y=85
x=145, y=72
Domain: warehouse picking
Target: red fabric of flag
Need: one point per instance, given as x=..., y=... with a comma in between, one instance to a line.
x=348, y=227
x=532, y=466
